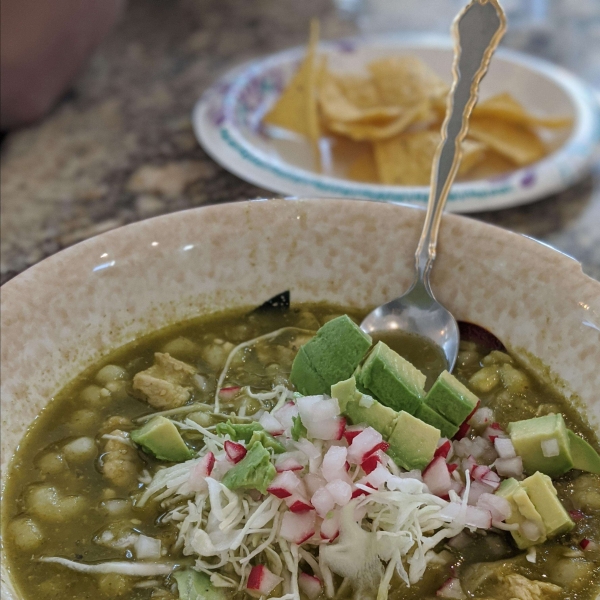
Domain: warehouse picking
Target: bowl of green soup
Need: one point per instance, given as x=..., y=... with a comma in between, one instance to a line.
x=190, y=411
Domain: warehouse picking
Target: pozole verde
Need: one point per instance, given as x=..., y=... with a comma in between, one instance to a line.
x=214, y=460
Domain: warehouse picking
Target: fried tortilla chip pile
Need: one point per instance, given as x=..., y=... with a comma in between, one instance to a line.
x=392, y=116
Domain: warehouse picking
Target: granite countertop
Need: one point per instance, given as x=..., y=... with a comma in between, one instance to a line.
x=120, y=146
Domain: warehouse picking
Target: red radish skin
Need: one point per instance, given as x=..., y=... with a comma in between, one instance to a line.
x=235, y=452
x=289, y=464
x=470, y=415
x=229, y=393
x=261, y=582
x=587, y=545
x=370, y=464
x=310, y=585
x=452, y=467
x=284, y=485
x=299, y=506
x=443, y=450
x=383, y=446
x=206, y=465
x=576, y=515
x=437, y=477
x=451, y=588
x=350, y=434
x=462, y=431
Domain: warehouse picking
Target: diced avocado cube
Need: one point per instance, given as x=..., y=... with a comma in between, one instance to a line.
x=360, y=408
x=528, y=436
x=543, y=494
x=254, y=472
x=337, y=349
x=307, y=381
x=161, y=438
x=412, y=442
x=393, y=380
x=239, y=431
x=193, y=585
x=523, y=511
x=585, y=458
x=427, y=414
x=451, y=399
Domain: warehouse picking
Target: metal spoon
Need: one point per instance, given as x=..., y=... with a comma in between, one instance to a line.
x=476, y=31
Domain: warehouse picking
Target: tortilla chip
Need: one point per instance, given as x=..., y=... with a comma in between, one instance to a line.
x=491, y=165
x=405, y=81
x=363, y=168
x=375, y=131
x=296, y=108
x=505, y=107
x=406, y=159
x=515, y=142
x=341, y=99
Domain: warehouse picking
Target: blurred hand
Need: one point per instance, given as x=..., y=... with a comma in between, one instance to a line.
x=43, y=45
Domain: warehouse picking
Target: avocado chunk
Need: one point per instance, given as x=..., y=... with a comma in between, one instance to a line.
x=267, y=440
x=451, y=399
x=334, y=353
x=527, y=437
x=429, y=416
x=193, y=585
x=523, y=511
x=585, y=458
x=393, y=380
x=307, y=381
x=254, y=472
x=160, y=438
x=412, y=442
x=360, y=408
x=544, y=497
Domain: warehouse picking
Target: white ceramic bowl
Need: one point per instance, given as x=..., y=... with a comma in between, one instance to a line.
x=227, y=123
x=61, y=315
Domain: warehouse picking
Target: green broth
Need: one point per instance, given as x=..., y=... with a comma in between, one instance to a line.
x=208, y=341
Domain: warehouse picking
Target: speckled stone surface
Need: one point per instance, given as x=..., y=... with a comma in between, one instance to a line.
x=120, y=146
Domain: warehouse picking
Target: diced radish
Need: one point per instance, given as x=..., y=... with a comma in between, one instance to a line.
x=550, y=448
x=340, y=491
x=363, y=444
x=481, y=418
x=271, y=424
x=381, y=447
x=202, y=470
x=504, y=448
x=469, y=463
x=330, y=527
x=286, y=414
x=509, y=467
x=588, y=545
x=451, y=588
x=478, y=517
x=476, y=490
x=222, y=465
x=498, y=506
x=576, y=515
x=229, y=393
x=261, y=582
x=377, y=477
x=443, y=449
x=452, y=467
x=313, y=482
x=299, y=505
x=289, y=461
x=323, y=501
x=351, y=432
x=334, y=463
x=485, y=475
x=310, y=585
x=361, y=492
x=437, y=477
x=298, y=527
x=284, y=485
x=463, y=430
x=370, y=464
x=470, y=415
x=457, y=486
x=320, y=417
x=235, y=452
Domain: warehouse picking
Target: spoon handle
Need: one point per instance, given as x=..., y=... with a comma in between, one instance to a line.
x=476, y=31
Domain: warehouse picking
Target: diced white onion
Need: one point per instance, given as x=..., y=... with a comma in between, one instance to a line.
x=504, y=447
x=147, y=547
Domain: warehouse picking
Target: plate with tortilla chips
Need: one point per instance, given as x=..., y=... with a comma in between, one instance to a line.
x=361, y=118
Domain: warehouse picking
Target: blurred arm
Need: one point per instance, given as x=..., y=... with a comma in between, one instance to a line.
x=43, y=45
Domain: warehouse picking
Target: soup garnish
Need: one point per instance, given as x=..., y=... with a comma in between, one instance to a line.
x=283, y=454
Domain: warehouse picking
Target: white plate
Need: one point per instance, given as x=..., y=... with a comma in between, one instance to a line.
x=227, y=122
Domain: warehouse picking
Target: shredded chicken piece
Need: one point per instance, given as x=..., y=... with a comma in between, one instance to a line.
x=167, y=383
x=120, y=462
x=517, y=587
